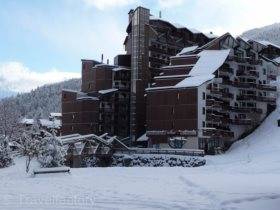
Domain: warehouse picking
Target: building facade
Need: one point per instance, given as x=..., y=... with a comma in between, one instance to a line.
x=102, y=106
x=151, y=41
x=175, y=87
x=98, y=107
x=210, y=96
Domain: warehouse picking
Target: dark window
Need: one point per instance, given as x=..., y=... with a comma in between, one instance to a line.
x=203, y=95
x=203, y=110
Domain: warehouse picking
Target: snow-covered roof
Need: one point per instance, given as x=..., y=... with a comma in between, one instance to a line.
x=50, y=124
x=267, y=43
x=144, y=137
x=88, y=98
x=277, y=60
x=187, y=50
x=27, y=121
x=194, y=31
x=209, y=61
x=194, y=81
x=244, y=38
x=53, y=114
x=177, y=66
x=120, y=69
x=107, y=91
x=171, y=76
x=178, y=25
x=210, y=35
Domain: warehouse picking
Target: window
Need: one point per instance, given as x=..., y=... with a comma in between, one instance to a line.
x=178, y=96
x=203, y=110
x=203, y=124
x=264, y=71
x=203, y=95
x=264, y=82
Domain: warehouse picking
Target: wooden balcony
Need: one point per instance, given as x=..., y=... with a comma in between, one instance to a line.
x=272, y=77
x=226, y=70
x=245, y=60
x=217, y=133
x=241, y=121
x=246, y=97
x=248, y=73
x=267, y=87
x=266, y=99
x=242, y=110
x=221, y=92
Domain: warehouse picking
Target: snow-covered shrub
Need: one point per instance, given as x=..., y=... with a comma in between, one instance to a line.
x=156, y=161
x=90, y=162
x=5, y=157
x=51, y=151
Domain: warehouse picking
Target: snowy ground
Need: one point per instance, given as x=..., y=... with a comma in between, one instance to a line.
x=247, y=177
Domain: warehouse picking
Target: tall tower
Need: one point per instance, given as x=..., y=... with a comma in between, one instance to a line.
x=139, y=20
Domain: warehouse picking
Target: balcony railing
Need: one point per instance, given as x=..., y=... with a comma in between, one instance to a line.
x=217, y=133
x=251, y=73
x=245, y=60
x=221, y=92
x=266, y=99
x=272, y=77
x=241, y=121
x=226, y=70
x=267, y=87
x=242, y=110
x=246, y=97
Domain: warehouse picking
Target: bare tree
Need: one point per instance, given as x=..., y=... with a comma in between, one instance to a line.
x=30, y=144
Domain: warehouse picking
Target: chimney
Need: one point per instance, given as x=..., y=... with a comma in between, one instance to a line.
x=102, y=57
x=107, y=61
x=160, y=14
x=211, y=32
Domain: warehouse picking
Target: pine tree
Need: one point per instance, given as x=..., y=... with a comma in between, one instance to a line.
x=5, y=157
x=51, y=152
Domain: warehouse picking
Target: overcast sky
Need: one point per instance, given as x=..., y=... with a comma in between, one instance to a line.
x=44, y=41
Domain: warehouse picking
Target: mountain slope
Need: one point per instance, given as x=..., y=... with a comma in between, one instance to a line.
x=269, y=33
x=6, y=93
x=43, y=100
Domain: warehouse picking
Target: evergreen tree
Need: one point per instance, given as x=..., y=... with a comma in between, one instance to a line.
x=5, y=157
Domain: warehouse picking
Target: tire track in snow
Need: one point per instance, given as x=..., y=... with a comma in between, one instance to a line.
x=250, y=199
x=208, y=200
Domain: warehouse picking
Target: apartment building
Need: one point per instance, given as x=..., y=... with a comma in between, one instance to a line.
x=102, y=105
x=211, y=95
x=151, y=41
x=112, y=98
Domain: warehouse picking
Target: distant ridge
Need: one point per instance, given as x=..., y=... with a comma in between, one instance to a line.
x=40, y=102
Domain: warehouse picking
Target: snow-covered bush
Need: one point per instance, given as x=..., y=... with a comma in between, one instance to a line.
x=51, y=152
x=156, y=161
x=5, y=157
x=90, y=162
